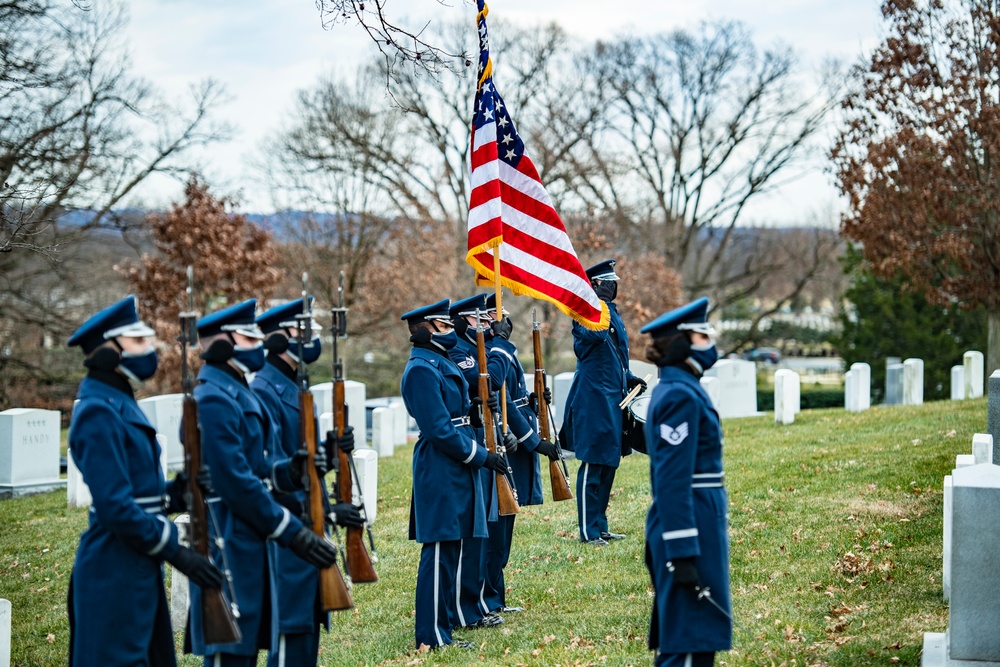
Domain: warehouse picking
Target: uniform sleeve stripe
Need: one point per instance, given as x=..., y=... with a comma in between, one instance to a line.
x=504, y=353
x=285, y=520
x=680, y=534
x=526, y=435
x=164, y=537
x=475, y=447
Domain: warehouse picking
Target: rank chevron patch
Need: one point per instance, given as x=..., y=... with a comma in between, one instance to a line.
x=674, y=436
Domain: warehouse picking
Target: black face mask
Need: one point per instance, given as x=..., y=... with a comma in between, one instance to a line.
x=276, y=343
x=219, y=352
x=607, y=290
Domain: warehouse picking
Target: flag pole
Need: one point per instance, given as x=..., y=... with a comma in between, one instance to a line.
x=499, y=290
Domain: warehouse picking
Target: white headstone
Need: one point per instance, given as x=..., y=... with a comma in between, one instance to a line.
x=786, y=395
x=713, y=388
x=958, y=388
x=366, y=463
x=401, y=420
x=643, y=368
x=974, y=376
x=383, y=430
x=737, y=387
x=982, y=448
x=29, y=452
x=77, y=491
x=964, y=461
x=913, y=382
x=325, y=425
x=850, y=394
x=323, y=396
x=946, y=552
x=894, y=384
x=861, y=386
x=354, y=397
x=179, y=590
x=164, y=414
x=974, y=614
x=5, y=614
x=562, y=383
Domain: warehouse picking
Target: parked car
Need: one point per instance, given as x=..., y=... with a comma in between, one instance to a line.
x=765, y=355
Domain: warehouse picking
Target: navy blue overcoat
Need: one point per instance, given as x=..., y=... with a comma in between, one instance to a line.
x=238, y=444
x=118, y=604
x=593, y=422
x=297, y=581
x=688, y=515
x=447, y=502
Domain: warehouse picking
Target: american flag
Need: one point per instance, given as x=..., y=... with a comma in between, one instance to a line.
x=511, y=213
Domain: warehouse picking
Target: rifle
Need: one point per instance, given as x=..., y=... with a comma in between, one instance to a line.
x=359, y=563
x=333, y=592
x=557, y=474
x=218, y=616
x=506, y=493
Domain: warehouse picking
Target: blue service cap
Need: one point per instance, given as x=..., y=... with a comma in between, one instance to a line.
x=491, y=303
x=120, y=319
x=238, y=318
x=284, y=316
x=689, y=317
x=603, y=271
x=469, y=306
x=434, y=311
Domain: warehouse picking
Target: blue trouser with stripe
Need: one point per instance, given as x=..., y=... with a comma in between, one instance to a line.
x=501, y=532
x=293, y=649
x=436, y=592
x=685, y=660
x=230, y=660
x=471, y=581
x=593, y=493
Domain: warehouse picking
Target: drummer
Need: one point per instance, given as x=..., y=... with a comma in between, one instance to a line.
x=687, y=544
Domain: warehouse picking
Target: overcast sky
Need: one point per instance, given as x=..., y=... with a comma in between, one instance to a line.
x=264, y=51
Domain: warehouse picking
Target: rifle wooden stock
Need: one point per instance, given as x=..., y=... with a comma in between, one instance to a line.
x=218, y=622
x=333, y=592
x=506, y=500
x=359, y=563
x=560, y=485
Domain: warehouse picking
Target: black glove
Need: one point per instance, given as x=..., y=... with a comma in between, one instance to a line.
x=502, y=328
x=297, y=467
x=204, y=479
x=178, y=490
x=509, y=441
x=475, y=413
x=197, y=568
x=495, y=463
x=322, y=461
x=345, y=442
x=686, y=574
x=547, y=395
x=634, y=382
x=313, y=549
x=548, y=449
x=533, y=400
x=493, y=402
x=345, y=514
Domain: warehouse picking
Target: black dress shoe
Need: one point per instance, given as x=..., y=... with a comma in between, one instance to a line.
x=469, y=646
x=612, y=536
x=597, y=542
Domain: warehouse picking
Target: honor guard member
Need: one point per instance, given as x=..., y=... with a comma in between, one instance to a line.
x=593, y=424
x=474, y=609
x=523, y=458
x=296, y=580
x=240, y=446
x=687, y=544
x=447, y=505
x=118, y=612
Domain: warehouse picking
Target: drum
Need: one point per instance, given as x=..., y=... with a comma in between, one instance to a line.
x=633, y=423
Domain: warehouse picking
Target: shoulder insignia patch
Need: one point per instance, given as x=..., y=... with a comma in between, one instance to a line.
x=467, y=363
x=674, y=436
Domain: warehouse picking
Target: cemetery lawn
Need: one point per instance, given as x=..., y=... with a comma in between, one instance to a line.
x=835, y=524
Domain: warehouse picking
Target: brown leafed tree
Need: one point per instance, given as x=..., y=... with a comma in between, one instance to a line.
x=915, y=156
x=233, y=260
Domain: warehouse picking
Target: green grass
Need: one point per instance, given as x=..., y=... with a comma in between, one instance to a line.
x=835, y=524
